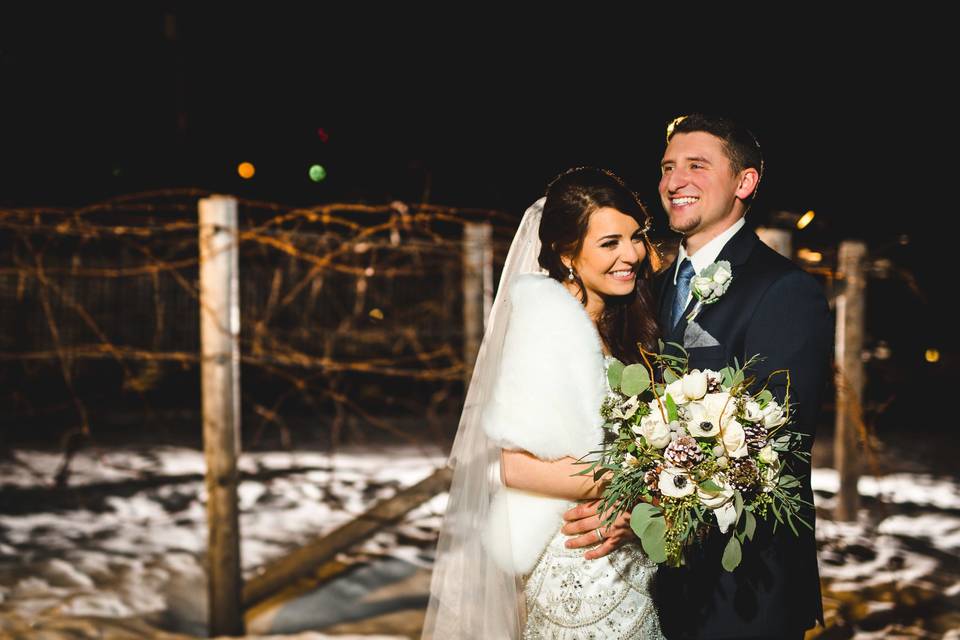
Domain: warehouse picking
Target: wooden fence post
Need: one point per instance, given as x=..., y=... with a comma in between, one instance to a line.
x=477, y=289
x=849, y=346
x=220, y=376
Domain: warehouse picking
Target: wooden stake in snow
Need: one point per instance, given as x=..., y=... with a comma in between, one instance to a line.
x=220, y=374
x=849, y=347
x=477, y=289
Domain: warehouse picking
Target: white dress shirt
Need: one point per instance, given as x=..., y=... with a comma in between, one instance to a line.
x=707, y=254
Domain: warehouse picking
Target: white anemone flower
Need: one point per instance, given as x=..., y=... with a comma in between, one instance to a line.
x=675, y=482
x=698, y=421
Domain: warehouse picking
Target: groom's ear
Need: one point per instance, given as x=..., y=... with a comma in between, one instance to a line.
x=749, y=179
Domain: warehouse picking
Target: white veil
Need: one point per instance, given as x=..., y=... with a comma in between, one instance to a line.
x=470, y=596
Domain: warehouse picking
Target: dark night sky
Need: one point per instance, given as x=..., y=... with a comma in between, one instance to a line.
x=96, y=104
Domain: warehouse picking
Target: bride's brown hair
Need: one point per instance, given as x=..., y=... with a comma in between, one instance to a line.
x=572, y=197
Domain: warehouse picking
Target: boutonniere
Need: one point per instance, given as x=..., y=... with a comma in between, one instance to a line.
x=712, y=283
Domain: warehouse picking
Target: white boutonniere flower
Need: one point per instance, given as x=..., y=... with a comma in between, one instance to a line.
x=712, y=283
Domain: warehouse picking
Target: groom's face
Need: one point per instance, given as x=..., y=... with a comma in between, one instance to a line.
x=698, y=185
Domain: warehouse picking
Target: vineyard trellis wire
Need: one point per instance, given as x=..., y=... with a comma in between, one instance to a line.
x=351, y=316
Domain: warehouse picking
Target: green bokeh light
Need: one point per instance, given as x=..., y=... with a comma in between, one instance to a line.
x=317, y=173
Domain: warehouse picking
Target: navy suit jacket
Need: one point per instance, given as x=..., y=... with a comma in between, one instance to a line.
x=777, y=311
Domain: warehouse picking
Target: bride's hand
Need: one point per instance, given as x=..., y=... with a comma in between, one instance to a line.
x=583, y=521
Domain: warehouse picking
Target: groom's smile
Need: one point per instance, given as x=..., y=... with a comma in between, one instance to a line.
x=684, y=201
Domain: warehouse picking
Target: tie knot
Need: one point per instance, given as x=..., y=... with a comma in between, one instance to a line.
x=686, y=272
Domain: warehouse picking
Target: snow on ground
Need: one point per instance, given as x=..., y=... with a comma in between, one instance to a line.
x=895, y=572
x=140, y=556
x=135, y=556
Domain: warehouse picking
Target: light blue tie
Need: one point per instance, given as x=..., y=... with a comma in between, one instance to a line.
x=683, y=290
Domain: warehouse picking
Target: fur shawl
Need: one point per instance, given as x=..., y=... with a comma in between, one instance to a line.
x=546, y=401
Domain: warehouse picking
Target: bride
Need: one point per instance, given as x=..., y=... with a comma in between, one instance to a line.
x=574, y=291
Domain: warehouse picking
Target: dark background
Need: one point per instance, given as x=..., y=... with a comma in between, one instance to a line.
x=480, y=110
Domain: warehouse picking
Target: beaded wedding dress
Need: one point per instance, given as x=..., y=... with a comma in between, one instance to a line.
x=569, y=598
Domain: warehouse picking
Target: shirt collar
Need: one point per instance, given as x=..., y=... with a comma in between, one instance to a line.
x=708, y=253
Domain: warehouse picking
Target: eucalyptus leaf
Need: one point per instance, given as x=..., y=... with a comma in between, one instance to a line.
x=641, y=516
x=614, y=372
x=648, y=523
x=732, y=554
x=751, y=525
x=727, y=374
x=635, y=379
x=669, y=376
x=654, y=540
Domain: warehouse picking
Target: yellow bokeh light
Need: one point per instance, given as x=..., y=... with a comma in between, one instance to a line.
x=932, y=355
x=246, y=170
x=809, y=256
x=805, y=219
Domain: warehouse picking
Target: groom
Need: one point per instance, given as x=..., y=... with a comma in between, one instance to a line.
x=710, y=172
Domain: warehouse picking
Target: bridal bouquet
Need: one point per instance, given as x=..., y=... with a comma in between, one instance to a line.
x=697, y=451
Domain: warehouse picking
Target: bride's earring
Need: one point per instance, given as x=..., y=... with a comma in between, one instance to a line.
x=570, y=275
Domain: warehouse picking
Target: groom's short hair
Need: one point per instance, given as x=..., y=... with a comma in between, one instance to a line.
x=741, y=146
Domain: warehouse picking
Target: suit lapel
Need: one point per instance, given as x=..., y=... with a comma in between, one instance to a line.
x=736, y=251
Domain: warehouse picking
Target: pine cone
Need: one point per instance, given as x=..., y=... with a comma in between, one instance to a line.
x=684, y=452
x=756, y=436
x=652, y=479
x=744, y=475
x=714, y=382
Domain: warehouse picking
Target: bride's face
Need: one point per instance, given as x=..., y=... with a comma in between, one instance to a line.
x=611, y=255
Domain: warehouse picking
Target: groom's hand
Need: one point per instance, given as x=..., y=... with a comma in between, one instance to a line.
x=583, y=521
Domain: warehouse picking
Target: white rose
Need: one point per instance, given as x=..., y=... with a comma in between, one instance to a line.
x=773, y=415
x=721, y=275
x=715, y=499
x=675, y=482
x=655, y=430
x=699, y=424
x=752, y=411
x=734, y=439
x=768, y=455
x=694, y=385
x=675, y=391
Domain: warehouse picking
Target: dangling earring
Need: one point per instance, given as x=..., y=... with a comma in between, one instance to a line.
x=570, y=275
